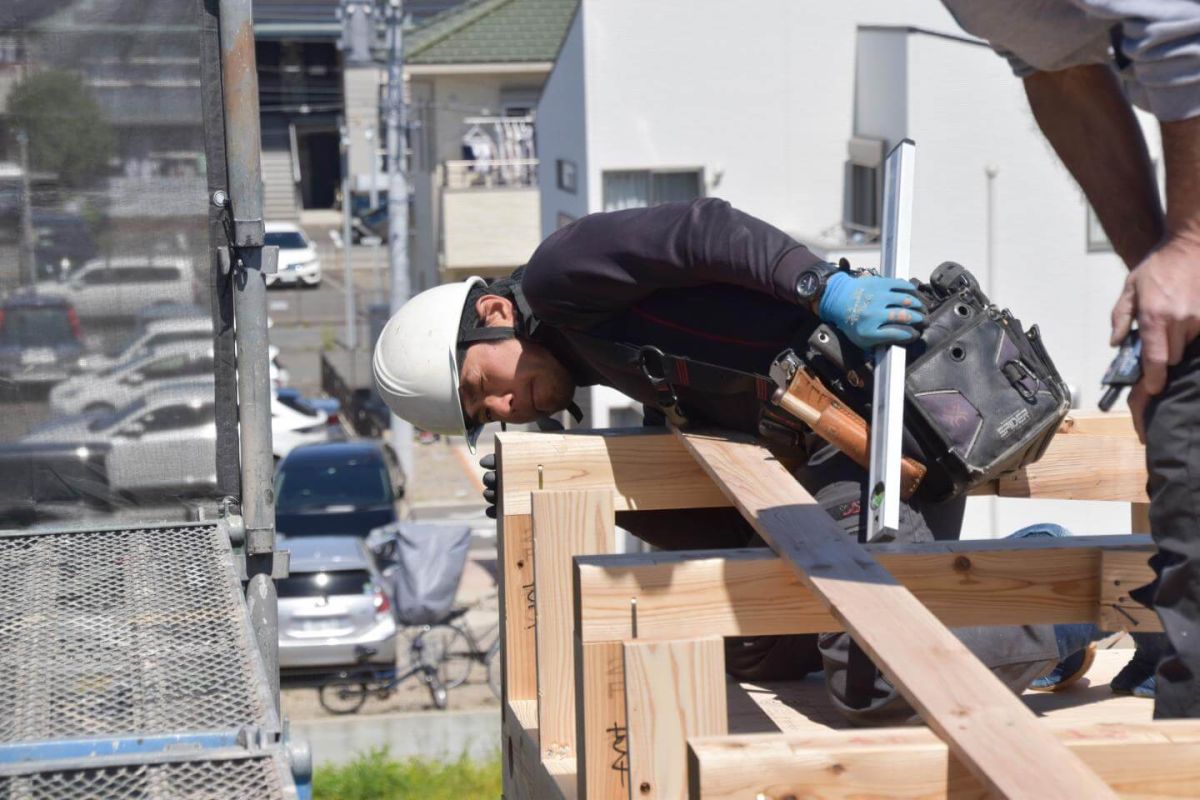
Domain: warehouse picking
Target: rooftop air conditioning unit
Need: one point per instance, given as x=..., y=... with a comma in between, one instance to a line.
x=863, y=197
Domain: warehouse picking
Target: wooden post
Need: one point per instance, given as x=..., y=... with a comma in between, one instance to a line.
x=1139, y=518
x=1122, y=573
x=565, y=524
x=966, y=705
x=602, y=733
x=674, y=689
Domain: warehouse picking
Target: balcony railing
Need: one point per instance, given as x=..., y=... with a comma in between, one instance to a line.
x=490, y=173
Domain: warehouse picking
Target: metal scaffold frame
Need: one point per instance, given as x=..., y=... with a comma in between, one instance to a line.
x=141, y=661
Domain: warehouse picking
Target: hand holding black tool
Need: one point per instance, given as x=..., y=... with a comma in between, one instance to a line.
x=1125, y=369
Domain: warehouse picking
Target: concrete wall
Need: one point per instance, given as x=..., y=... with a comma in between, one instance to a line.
x=562, y=131
x=759, y=95
x=488, y=230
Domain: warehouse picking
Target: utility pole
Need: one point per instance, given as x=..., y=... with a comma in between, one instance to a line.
x=369, y=135
x=397, y=147
x=28, y=257
x=351, y=308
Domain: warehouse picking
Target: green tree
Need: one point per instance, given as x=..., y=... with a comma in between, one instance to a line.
x=68, y=134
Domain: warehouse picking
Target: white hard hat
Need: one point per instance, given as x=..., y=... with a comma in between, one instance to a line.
x=416, y=362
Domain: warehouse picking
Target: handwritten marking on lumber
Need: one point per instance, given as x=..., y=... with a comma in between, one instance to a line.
x=619, y=734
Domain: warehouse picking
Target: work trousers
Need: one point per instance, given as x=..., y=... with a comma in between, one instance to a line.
x=1015, y=654
x=1173, y=463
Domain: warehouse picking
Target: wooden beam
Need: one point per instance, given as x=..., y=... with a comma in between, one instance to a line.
x=1096, y=459
x=565, y=524
x=602, y=733
x=966, y=705
x=1083, y=467
x=754, y=593
x=1098, y=423
x=644, y=471
x=1122, y=573
x=673, y=689
x=1159, y=759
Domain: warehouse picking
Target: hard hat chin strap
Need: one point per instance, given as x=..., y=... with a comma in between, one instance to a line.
x=486, y=335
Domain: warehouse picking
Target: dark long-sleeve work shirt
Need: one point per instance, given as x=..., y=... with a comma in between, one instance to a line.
x=700, y=279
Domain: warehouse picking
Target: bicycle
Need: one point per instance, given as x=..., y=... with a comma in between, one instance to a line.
x=452, y=648
x=347, y=691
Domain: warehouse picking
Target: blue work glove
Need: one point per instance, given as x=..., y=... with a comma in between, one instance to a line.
x=872, y=310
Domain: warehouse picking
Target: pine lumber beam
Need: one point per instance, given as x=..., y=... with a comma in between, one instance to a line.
x=645, y=471
x=955, y=694
x=673, y=690
x=753, y=592
x=1158, y=759
x=1083, y=467
x=1122, y=573
x=565, y=524
x=1095, y=458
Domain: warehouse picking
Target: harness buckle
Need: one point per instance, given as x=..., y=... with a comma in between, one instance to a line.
x=651, y=361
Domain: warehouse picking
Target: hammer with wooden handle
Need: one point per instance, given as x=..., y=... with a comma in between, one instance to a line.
x=802, y=395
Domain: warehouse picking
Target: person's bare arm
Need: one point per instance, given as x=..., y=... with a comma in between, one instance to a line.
x=1092, y=128
x=1089, y=123
x=1163, y=291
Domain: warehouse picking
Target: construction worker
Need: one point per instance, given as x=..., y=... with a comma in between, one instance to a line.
x=1083, y=62
x=603, y=301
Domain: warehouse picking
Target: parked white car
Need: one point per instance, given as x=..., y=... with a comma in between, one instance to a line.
x=122, y=287
x=164, y=442
x=298, y=261
x=294, y=423
x=156, y=334
x=117, y=386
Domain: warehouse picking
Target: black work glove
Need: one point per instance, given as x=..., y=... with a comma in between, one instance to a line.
x=488, y=463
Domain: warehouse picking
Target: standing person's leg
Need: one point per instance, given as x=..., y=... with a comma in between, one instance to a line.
x=1173, y=461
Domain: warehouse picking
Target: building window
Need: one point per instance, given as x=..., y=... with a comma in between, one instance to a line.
x=566, y=176
x=1097, y=239
x=863, y=205
x=644, y=188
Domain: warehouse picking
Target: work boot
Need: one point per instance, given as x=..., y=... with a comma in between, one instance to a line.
x=1137, y=677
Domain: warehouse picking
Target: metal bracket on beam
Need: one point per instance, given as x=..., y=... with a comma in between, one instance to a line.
x=249, y=232
x=281, y=564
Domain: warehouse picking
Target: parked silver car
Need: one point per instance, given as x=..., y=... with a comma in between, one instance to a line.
x=155, y=335
x=119, y=385
x=123, y=286
x=164, y=443
x=333, y=611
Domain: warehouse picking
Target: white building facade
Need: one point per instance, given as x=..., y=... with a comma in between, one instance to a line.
x=781, y=107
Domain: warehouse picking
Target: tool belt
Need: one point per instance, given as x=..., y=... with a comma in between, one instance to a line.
x=982, y=395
